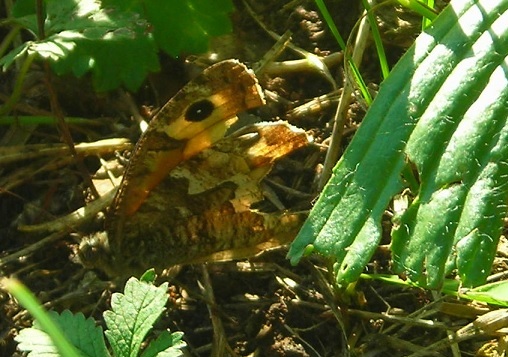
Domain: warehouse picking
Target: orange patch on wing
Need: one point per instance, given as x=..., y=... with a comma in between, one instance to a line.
x=163, y=163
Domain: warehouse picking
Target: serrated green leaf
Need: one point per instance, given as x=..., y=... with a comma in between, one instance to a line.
x=36, y=342
x=442, y=110
x=83, y=334
x=117, y=41
x=107, y=60
x=80, y=332
x=132, y=315
x=83, y=37
x=166, y=345
x=44, y=320
x=66, y=15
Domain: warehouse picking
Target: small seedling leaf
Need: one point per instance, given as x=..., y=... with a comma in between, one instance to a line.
x=148, y=276
x=132, y=315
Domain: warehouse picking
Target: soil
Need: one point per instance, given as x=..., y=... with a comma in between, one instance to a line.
x=266, y=306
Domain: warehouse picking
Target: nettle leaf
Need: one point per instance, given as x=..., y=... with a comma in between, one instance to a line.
x=132, y=315
x=442, y=111
x=81, y=332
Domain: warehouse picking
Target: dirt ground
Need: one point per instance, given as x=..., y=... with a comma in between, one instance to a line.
x=267, y=307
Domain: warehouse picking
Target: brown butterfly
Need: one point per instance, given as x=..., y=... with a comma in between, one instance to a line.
x=187, y=195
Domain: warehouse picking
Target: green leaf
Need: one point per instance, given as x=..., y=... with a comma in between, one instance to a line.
x=116, y=60
x=47, y=336
x=133, y=314
x=36, y=342
x=493, y=293
x=117, y=41
x=461, y=203
x=166, y=345
x=22, y=8
x=81, y=332
x=443, y=111
x=148, y=276
x=182, y=26
x=83, y=37
x=194, y=22
x=7, y=60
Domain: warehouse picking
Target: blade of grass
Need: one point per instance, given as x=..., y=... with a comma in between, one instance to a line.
x=385, y=70
x=420, y=8
x=335, y=32
x=427, y=21
x=331, y=25
x=44, y=120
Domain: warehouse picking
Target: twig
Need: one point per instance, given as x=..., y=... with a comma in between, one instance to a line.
x=332, y=154
x=220, y=344
x=34, y=247
x=76, y=218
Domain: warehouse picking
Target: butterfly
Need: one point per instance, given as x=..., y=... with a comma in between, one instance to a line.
x=188, y=193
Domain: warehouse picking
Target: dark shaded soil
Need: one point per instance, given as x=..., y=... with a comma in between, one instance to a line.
x=267, y=307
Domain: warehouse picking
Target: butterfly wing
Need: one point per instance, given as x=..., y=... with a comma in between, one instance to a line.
x=195, y=118
x=202, y=210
